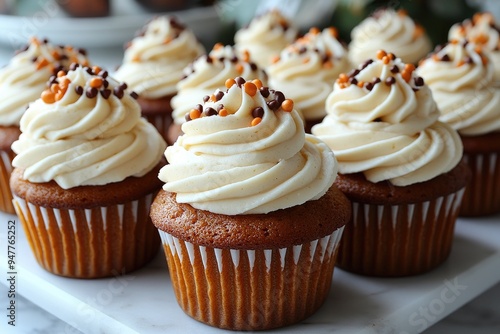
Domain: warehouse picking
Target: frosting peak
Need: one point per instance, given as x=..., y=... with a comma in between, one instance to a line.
x=85, y=129
x=244, y=151
x=383, y=121
x=307, y=69
x=460, y=76
x=155, y=58
x=25, y=76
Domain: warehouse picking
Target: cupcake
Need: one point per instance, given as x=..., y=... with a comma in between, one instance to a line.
x=248, y=216
x=307, y=69
x=395, y=31
x=460, y=76
x=398, y=164
x=481, y=30
x=22, y=81
x=265, y=36
x=85, y=176
x=153, y=64
x=207, y=74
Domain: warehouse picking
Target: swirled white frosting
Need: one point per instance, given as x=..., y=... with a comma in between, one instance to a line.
x=460, y=76
x=388, y=131
x=154, y=61
x=392, y=31
x=307, y=69
x=265, y=37
x=481, y=30
x=225, y=165
x=25, y=77
x=79, y=141
x=209, y=73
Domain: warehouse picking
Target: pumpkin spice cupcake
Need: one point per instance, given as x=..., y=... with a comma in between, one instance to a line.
x=207, y=74
x=22, y=81
x=249, y=219
x=265, y=36
x=461, y=76
x=395, y=31
x=153, y=64
x=307, y=69
x=399, y=166
x=85, y=176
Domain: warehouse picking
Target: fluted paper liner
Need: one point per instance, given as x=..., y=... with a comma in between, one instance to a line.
x=90, y=243
x=399, y=240
x=5, y=171
x=482, y=194
x=251, y=289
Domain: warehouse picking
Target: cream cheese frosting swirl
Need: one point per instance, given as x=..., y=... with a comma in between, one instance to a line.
x=382, y=121
x=460, y=76
x=209, y=73
x=85, y=129
x=392, y=30
x=246, y=152
x=154, y=60
x=266, y=36
x=481, y=30
x=307, y=69
x=24, y=78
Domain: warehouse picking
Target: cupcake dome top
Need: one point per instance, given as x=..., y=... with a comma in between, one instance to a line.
x=244, y=151
x=383, y=121
x=460, y=75
x=481, y=30
x=85, y=129
x=392, y=30
x=209, y=72
x=265, y=36
x=24, y=77
x=307, y=69
x=154, y=60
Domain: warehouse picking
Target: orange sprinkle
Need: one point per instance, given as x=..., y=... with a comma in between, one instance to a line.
x=246, y=56
x=56, y=55
x=484, y=59
x=327, y=64
x=250, y=88
x=314, y=31
x=194, y=113
x=48, y=96
x=212, y=98
x=256, y=121
x=454, y=41
x=402, y=12
x=239, y=68
x=229, y=83
x=381, y=54
x=333, y=31
x=223, y=112
x=391, y=56
x=275, y=59
x=61, y=74
x=136, y=59
x=34, y=40
x=478, y=49
x=480, y=39
x=42, y=63
x=217, y=46
x=419, y=31
x=306, y=60
x=406, y=75
x=96, y=69
x=69, y=47
x=386, y=60
x=59, y=95
x=435, y=57
x=410, y=67
x=257, y=83
x=460, y=63
x=95, y=82
x=361, y=84
x=287, y=105
x=343, y=77
x=167, y=40
x=55, y=88
x=342, y=85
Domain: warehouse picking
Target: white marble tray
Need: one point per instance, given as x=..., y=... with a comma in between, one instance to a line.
x=144, y=302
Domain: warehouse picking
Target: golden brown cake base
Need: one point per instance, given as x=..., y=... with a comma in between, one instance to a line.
x=482, y=195
x=400, y=231
x=251, y=272
x=88, y=231
x=8, y=134
x=158, y=112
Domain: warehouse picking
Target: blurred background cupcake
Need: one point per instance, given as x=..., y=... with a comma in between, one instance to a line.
x=461, y=77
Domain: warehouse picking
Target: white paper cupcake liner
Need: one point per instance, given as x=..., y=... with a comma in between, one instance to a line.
x=399, y=240
x=244, y=289
x=90, y=243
